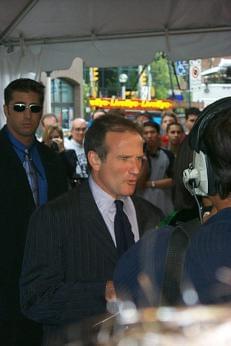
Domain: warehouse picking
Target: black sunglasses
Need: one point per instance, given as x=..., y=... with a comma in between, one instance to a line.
x=21, y=107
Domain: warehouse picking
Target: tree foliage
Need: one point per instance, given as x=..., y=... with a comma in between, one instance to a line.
x=161, y=69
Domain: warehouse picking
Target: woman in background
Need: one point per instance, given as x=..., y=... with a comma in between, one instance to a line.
x=53, y=138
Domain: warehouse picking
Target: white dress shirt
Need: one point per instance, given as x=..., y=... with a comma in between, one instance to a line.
x=107, y=208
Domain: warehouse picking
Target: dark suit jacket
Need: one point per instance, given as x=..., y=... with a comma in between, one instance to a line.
x=70, y=255
x=16, y=206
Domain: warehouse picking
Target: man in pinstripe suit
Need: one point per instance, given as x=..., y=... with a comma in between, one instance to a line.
x=71, y=249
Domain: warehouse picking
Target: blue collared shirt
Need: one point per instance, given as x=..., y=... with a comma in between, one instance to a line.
x=20, y=151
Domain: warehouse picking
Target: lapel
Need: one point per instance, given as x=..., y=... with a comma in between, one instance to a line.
x=94, y=224
x=15, y=171
x=53, y=171
x=139, y=216
x=47, y=160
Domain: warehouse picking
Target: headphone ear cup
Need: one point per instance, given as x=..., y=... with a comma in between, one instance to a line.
x=195, y=178
x=200, y=164
x=213, y=183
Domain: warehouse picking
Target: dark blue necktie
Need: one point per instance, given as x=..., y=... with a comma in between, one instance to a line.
x=123, y=231
x=31, y=175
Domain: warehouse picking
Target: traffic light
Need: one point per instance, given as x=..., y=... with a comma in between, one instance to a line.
x=143, y=78
x=95, y=73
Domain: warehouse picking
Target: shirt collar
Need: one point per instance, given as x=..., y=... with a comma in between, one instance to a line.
x=77, y=144
x=102, y=198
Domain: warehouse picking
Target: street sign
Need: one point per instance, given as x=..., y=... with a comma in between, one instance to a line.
x=181, y=67
x=195, y=73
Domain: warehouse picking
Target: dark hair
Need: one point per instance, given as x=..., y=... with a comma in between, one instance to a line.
x=192, y=111
x=182, y=198
x=96, y=134
x=23, y=85
x=152, y=124
x=217, y=140
x=175, y=124
x=117, y=111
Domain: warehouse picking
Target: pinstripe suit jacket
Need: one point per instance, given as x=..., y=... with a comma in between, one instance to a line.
x=70, y=255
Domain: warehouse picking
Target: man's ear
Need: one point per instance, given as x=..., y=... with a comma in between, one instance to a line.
x=5, y=108
x=94, y=160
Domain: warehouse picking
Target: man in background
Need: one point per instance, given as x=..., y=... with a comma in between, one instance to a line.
x=76, y=142
x=191, y=115
x=176, y=135
x=167, y=118
x=156, y=182
x=48, y=119
x=30, y=175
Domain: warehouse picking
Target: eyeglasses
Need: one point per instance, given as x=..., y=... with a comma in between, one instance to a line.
x=21, y=107
x=80, y=129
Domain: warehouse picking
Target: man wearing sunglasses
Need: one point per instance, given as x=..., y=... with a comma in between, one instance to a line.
x=30, y=175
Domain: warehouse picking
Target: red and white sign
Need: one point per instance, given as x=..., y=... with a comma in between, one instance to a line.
x=194, y=73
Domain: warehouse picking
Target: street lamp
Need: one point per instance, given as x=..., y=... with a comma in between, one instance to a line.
x=123, y=80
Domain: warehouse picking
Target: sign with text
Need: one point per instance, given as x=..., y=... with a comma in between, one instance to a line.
x=139, y=104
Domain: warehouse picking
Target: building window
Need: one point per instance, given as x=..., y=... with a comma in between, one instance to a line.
x=62, y=101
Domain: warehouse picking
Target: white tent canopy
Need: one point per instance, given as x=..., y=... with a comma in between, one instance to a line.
x=115, y=32
x=44, y=35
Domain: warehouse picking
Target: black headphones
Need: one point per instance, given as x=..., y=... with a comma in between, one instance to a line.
x=200, y=178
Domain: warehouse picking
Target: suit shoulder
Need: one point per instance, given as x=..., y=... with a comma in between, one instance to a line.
x=142, y=203
x=45, y=150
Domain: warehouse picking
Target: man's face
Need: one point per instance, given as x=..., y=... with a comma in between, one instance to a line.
x=175, y=134
x=78, y=131
x=23, y=124
x=118, y=173
x=151, y=136
x=190, y=121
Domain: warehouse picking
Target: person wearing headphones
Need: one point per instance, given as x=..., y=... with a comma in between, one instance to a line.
x=202, y=272
x=208, y=258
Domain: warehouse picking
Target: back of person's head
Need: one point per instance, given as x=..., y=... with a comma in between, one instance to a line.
x=24, y=85
x=98, y=113
x=96, y=134
x=182, y=199
x=210, y=138
x=117, y=112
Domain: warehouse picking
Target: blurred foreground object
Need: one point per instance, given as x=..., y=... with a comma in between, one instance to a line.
x=196, y=326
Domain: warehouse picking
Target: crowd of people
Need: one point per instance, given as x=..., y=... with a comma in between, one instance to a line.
x=87, y=220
